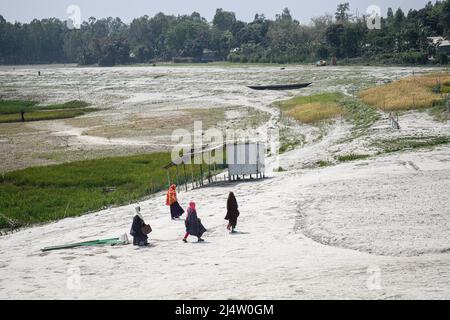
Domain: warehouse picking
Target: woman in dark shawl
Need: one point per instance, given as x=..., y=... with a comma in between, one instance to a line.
x=232, y=212
x=171, y=200
x=193, y=224
x=139, y=238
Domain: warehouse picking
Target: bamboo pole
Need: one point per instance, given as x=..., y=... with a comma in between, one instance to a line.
x=209, y=167
x=178, y=182
x=168, y=178
x=192, y=177
x=185, y=177
x=201, y=173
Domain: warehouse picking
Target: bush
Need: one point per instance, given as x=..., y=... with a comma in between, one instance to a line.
x=413, y=57
x=443, y=58
x=352, y=157
x=41, y=194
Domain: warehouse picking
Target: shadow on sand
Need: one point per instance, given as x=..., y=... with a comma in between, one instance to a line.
x=238, y=233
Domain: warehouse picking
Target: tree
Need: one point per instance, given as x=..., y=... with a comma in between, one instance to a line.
x=342, y=14
x=224, y=20
x=109, y=41
x=445, y=17
x=189, y=37
x=284, y=16
x=399, y=18
x=390, y=17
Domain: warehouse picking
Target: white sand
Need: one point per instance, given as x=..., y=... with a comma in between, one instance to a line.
x=304, y=233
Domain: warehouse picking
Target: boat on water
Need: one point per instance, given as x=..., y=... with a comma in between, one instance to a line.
x=281, y=86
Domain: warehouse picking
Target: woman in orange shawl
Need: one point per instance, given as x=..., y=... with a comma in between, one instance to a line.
x=171, y=200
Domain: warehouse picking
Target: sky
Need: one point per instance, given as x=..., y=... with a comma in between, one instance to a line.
x=26, y=10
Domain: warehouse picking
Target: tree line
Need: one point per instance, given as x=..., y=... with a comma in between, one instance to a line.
x=106, y=42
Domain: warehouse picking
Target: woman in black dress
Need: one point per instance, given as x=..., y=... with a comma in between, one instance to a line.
x=193, y=224
x=139, y=238
x=232, y=212
x=171, y=200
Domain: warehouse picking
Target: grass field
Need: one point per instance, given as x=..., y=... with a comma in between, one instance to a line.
x=352, y=157
x=410, y=93
x=41, y=194
x=410, y=143
x=312, y=109
x=10, y=110
x=359, y=113
x=316, y=108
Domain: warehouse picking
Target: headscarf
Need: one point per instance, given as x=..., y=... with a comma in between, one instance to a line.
x=190, y=209
x=138, y=212
x=231, y=202
x=171, y=196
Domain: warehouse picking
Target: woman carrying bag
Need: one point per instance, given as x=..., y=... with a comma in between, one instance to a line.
x=140, y=230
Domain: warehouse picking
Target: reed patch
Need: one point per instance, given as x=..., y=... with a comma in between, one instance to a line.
x=24, y=111
x=313, y=109
x=41, y=194
x=416, y=92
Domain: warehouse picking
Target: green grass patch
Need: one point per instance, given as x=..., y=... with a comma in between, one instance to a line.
x=288, y=144
x=41, y=194
x=359, y=113
x=410, y=143
x=323, y=163
x=352, y=157
x=45, y=115
x=289, y=140
x=15, y=106
x=439, y=112
x=74, y=104
x=445, y=89
x=317, y=108
x=321, y=98
x=10, y=110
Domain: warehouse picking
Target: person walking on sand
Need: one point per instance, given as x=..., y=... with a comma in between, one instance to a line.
x=171, y=200
x=193, y=224
x=232, y=212
x=139, y=229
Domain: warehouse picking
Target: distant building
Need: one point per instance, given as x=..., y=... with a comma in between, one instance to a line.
x=444, y=47
x=435, y=40
x=209, y=56
x=185, y=59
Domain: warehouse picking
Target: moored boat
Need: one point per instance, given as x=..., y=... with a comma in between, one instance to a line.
x=281, y=86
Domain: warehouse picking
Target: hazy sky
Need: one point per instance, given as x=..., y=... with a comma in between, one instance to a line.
x=26, y=10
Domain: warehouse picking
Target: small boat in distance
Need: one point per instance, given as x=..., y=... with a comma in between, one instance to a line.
x=281, y=86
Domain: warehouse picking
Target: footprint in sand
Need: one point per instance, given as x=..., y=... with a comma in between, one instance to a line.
x=100, y=251
x=68, y=258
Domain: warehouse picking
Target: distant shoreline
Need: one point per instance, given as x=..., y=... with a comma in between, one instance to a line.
x=4, y=67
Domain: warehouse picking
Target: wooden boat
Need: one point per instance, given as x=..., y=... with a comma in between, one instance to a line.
x=281, y=86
